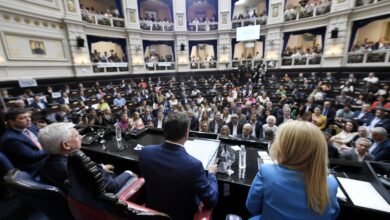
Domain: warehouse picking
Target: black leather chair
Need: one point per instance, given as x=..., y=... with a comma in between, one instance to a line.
x=5, y=165
x=88, y=199
x=45, y=198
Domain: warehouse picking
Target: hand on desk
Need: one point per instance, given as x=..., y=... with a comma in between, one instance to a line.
x=108, y=168
x=212, y=168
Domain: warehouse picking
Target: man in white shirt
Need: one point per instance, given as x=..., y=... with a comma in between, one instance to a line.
x=371, y=78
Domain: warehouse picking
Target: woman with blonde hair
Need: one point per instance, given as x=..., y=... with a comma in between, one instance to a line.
x=300, y=152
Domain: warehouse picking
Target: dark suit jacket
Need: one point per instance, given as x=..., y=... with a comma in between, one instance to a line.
x=212, y=126
x=36, y=106
x=21, y=151
x=239, y=128
x=350, y=154
x=194, y=124
x=175, y=180
x=382, y=151
x=55, y=172
x=250, y=138
x=384, y=123
x=366, y=117
x=258, y=129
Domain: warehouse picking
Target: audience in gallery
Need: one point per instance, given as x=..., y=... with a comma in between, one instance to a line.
x=300, y=172
x=149, y=22
x=368, y=45
x=113, y=57
x=300, y=51
x=305, y=9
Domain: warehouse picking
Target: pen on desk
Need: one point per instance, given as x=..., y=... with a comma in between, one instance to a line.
x=345, y=175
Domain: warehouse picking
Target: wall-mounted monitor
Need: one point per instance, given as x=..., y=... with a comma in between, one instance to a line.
x=248, y=33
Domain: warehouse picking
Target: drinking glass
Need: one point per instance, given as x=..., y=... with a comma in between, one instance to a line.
x=230, y=158
x=100, y=133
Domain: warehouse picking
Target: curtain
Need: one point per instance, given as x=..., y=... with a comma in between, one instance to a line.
x=315, y=31
x=234, y=2
x=232, y=9
x=147, y=44
x=118, y=4
x=361, y=23
x=212, y=43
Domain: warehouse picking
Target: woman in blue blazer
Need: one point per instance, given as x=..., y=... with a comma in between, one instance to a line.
x=297, y=185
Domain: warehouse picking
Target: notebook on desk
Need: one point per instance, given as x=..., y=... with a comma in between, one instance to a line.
x=203, y=149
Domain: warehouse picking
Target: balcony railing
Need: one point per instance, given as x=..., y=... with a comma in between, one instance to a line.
x=203, y=64
x=156, y=26
x=359, y=3
x=251, y=63
x=159, y=66
x=110, y=67
x=301, y=60
x=249, y=21
x=376, y=56
x=306, y=12
x=203, y=26
x=103, y=20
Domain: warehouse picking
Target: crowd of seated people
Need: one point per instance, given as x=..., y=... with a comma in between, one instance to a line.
x=152, y=23
x=203, y=24
x=252, y=16
x=113, y=57
x=89, y=14
x=154, y=58
x=244, y=105
x=264, y=101
x=205, y=62
x=368, y=45
x=306, y=9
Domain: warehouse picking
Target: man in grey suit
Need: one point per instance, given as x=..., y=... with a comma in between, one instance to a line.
x=359, y=152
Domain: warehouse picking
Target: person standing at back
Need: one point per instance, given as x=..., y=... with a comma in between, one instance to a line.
x=297, y=187
x=175, y=181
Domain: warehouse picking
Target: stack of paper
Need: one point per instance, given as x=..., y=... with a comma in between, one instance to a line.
x=363, y=194
x=203, y=150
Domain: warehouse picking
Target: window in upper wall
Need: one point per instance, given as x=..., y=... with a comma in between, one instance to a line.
x=156, y=15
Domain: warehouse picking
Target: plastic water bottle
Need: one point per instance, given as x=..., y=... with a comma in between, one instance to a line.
x=118, y=133
x=242, y=162
x=242, y=158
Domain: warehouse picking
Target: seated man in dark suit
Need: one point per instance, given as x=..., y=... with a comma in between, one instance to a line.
x=59, y=140
x=20, y=143
x=364, y=115
x=234, y=125
x=246, y=133
x=381, y=146
x=359, y=152
x=175, y=181
x=216, y=124
x=38, y=103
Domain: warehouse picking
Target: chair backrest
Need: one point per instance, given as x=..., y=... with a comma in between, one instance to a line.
x=48, y=199
x=88, y=199
x=5, y=165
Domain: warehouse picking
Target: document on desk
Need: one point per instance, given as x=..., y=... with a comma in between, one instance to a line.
x=203, y=150
x=363, y=194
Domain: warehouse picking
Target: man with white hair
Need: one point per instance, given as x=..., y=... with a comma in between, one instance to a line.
x=381, y=147
x=359, y=152
x=246, y=133
x=59, y=140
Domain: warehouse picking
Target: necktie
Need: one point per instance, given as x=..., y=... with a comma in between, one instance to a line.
x=325, y=111
x=33, y=138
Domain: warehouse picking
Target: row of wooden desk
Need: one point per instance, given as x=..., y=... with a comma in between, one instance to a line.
x=233, y=190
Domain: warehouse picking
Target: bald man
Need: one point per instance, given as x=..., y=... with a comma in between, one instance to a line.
x=246, y=133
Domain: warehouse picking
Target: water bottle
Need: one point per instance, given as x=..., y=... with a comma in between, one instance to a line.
x=118, y=133
x=242, y=158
